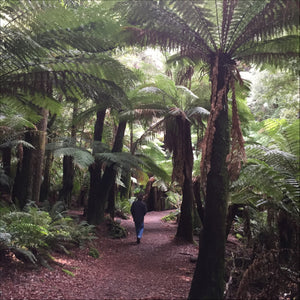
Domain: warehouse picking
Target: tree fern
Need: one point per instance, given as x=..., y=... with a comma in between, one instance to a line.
x=81, y=156
x=219, y=33
x=58, y=53
x=276, y=180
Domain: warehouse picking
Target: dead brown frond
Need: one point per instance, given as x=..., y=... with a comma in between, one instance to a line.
x=237, y=153
x=266, y=278
x=218, y=100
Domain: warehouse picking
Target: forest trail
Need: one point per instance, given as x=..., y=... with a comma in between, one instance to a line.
x=158, y=268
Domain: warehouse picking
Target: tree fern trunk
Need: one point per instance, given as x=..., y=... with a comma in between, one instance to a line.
x=29, y=174
x=185, y=226
x=93, y=215
x=95, y=173
x=102, y=191
x=208, y=280
x=110, y=173
x=45, y=187
x=65, y=194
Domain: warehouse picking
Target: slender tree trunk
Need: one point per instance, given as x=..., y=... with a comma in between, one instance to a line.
x=45, y=187
x=185, y=226
x=39, y=155
x=95, y=173
x=109, y=176
x=208, y=280
x=93, y=213
x=29, y=174
x=65, y=193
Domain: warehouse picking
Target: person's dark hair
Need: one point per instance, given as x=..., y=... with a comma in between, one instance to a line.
x=140, y=196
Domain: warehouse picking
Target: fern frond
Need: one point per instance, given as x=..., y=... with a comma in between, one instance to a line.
x=292, y=136
x=123, y=160
x=150, y=165
x=81, y=157
x=197, y=112
x=14, y=143
x=262, y=20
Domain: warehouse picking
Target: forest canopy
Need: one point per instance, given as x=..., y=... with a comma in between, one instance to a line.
x=195, y=104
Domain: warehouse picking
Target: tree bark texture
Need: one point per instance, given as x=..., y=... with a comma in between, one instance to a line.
x=95, y=184
x=65, y=193
x=208, y=280
x=29, y=174
x=107, y=182
x=95, y=173
x=45, y=187
x=185, y=226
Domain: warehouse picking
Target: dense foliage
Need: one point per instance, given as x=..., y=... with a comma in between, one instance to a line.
x=30, y=234
x=87, y=118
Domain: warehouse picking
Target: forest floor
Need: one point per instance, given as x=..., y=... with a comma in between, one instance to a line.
x=160, y=267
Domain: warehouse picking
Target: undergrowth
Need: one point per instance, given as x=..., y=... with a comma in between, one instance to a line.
x=31, y=233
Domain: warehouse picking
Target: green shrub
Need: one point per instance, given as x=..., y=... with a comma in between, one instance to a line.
x=94, y=253
x=116, y=231
x=32, y=232
x=172, y=216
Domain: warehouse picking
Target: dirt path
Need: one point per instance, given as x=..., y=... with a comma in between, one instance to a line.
x=158, y=268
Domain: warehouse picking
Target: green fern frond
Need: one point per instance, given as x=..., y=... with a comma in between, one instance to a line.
x=123, y=160
x=292, y=136
x=24, y=254
x=150, y=165
x=14, y=143
x=198, y=112
x=99, y=147
x=81, y=157
x=19, y=109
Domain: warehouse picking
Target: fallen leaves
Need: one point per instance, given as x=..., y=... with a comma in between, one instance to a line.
x=153, y=269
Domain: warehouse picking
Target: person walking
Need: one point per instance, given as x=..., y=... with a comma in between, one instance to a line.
x=138, y=210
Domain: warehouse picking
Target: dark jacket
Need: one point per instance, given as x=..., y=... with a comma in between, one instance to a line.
x=138, y=211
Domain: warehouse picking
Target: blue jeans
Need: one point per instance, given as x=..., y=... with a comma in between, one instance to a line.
x=139, y=228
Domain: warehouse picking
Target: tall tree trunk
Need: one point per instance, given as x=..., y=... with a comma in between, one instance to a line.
x=45, y=187
x=185, y=226
x=109, y=177
x=65, y=193
x=95, y=172
x=29, y=174
x=208, y=280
